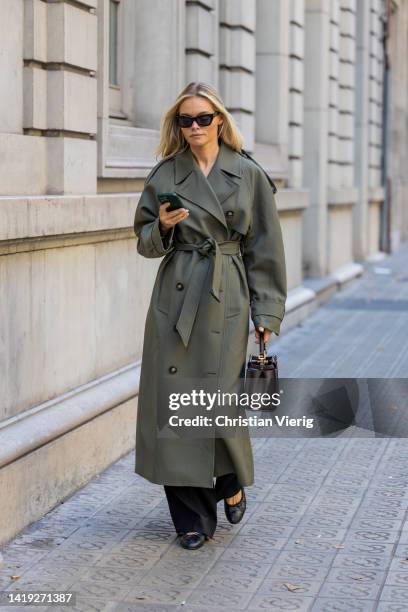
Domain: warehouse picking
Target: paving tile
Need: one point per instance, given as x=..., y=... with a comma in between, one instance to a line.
x=45, y=528
x=404, y=536
x=357, y=589
x=306, y=558
x=397, y=579
x=297, y=587
x=276, y=531
x=93, y=531
x=391, y=607
x=280, y=602
x=363, y=576
x=260, y=542
x=324, y=533
x=326, y=604
x=266, y=518
x=235, y=582
x=362, y=562
x=371, y=535
x=402, y=551
x=374, y=524
x=16, y=608
x=155, y=524
x=37, y=583
x=131, y=547
x=366, y=548
x=139, y=561
x=88, y=604
x=294, y=572
x=250, y=555
x=109, y=575
x=21, y=557
x=149, y=535
x=322, y=519
x=394, y=594
x=219, y=598
x=99, y=544
x=399, y=564
x=157, y=595
x=74, y=557
x=101, y=590
x=313, y=545
x=67, y=574
x=195, y=567
x=140, y=607
x=241, y=569
x=381, y=513
x=171, y=577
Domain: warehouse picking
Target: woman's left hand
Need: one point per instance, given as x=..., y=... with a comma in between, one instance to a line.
x=266, y=334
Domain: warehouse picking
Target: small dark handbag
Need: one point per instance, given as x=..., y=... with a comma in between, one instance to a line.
x=262, y=374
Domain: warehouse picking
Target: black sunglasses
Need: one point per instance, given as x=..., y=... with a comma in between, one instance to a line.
x=202, y=120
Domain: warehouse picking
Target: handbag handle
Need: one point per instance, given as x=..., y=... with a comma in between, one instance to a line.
x=262, y=345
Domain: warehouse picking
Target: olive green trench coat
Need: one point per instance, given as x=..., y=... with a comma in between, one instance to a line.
x=197, y=325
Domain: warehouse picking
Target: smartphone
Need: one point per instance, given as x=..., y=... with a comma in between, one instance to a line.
x=171, y=197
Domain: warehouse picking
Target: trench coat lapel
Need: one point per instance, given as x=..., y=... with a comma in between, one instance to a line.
x=195, y=187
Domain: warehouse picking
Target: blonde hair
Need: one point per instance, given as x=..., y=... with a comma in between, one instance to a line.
x=171, y=137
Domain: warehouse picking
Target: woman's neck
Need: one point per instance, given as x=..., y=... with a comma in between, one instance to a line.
x=206, y=155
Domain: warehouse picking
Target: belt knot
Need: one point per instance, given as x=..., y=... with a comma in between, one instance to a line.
x=207, y=247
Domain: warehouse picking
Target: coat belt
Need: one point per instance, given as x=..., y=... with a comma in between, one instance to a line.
x=211, y=253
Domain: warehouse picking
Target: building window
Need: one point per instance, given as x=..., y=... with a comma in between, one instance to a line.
x=113, y=42
x=115, y=58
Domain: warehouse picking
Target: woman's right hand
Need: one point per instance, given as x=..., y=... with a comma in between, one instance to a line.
x=169, y=219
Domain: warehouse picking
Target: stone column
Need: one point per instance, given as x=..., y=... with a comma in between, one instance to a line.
x=60, y=59
x=12, y=38
x=202, y=41
x=333, y=151
x=347, y=60
x=397, y=136
x=296, y=85
x=360, y=212
x=272, y=82
x=315, y=134
x=237, y=63
x=157, y=57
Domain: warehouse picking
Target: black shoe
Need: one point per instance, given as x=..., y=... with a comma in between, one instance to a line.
x=235, y=512
x=192, y=541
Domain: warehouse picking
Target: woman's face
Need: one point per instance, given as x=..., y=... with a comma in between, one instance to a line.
x=197, y=135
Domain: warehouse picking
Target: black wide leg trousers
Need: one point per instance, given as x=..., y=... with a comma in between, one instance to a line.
x=195, y=508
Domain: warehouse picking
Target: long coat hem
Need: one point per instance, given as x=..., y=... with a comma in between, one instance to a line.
x=182, y=482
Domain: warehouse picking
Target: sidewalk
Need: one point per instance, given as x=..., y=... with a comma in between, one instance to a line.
x=326, y=526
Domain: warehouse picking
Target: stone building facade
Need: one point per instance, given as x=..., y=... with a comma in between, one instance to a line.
x=319, y=91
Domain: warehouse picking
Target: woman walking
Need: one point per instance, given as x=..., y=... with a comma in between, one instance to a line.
x=223, y=261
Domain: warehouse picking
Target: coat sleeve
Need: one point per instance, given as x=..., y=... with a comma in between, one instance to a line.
x=150, y=242
x=264, y=258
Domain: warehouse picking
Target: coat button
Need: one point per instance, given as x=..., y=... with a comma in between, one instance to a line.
x=230, y=213
x=180, y=286
x=172, y=369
